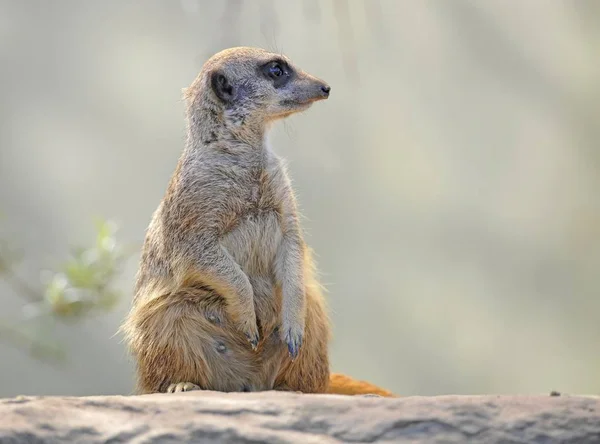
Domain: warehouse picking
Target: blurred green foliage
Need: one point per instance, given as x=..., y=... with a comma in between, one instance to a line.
x=83, y=286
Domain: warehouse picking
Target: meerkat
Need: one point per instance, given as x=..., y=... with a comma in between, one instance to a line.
x=226, y=297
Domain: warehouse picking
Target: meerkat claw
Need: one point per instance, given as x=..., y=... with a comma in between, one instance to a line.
x=293, y=344
x=253, y=341
x=293, y=350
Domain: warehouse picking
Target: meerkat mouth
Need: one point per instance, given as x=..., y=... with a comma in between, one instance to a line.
x=299, y=103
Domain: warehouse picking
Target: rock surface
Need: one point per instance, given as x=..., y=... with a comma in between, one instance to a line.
x=275, y=417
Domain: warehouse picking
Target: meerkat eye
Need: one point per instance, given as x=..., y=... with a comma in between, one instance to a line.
x=275, y=70
x=278, y=72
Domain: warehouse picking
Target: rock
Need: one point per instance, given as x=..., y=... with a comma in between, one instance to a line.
x=277, y=417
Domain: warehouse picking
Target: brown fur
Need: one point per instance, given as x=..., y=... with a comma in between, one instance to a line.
x=226, y=296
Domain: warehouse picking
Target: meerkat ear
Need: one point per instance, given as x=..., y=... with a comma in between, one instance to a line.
x=221, y=87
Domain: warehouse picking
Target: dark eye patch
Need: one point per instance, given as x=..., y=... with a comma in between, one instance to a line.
x=278, y=71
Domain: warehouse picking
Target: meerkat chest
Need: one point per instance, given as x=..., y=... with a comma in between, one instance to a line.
x=255, y=238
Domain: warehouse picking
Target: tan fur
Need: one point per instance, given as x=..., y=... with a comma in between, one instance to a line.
x=226, y=294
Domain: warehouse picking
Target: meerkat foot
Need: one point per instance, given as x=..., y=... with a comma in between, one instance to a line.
x=182, y=387
x=293, y=336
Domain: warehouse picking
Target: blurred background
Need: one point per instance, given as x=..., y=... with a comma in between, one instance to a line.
x=449, y=186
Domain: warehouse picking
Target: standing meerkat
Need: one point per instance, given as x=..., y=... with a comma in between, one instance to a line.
x=226, y=297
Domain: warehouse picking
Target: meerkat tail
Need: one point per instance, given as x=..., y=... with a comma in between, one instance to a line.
x=340, y=384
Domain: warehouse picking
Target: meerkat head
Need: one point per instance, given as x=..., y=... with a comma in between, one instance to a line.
x=252, y=86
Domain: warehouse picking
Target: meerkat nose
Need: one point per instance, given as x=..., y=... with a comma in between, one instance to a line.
x=326, y=89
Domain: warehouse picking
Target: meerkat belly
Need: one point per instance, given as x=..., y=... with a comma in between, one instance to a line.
x=253, y=243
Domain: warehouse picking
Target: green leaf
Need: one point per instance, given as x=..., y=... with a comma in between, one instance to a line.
x=80, y=275
x=55, y=291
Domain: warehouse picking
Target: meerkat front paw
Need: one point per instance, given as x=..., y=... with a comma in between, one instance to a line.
x=182, y=387
x=244, y=319
x=292, y=334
